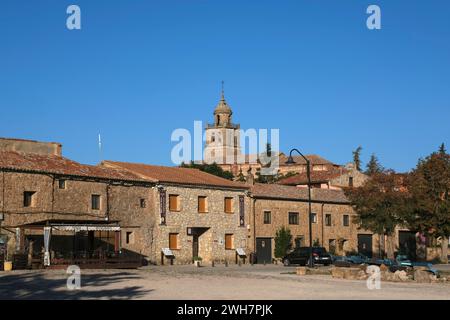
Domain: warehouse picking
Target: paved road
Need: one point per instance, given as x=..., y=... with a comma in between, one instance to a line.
x=220, y=282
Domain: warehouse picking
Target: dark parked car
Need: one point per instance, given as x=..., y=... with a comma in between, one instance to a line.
x=301, y=256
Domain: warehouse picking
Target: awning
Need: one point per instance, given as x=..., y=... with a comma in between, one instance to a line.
x=78, y=228
x=76, y=225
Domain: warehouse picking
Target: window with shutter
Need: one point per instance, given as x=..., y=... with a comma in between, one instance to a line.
x=173, y=241
x=202, y=205
x=174, y=202
x=229, y=205
x=229, y=242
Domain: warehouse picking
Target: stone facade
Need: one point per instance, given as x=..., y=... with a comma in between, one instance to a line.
x=31, y=146
x=344, y=238
x=118, y=202
x=215, y=223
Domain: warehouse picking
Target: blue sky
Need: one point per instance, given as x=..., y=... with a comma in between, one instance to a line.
x=137, y=70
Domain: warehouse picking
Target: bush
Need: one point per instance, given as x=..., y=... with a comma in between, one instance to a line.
x=283, y=242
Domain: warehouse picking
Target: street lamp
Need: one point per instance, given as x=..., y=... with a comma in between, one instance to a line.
x=308, y=174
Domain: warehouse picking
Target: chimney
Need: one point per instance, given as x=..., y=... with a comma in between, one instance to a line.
x=31, y=146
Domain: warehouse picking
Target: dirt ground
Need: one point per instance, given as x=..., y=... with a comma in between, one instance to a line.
x=220, y=282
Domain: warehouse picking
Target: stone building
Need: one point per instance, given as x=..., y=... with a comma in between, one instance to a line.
x=222, y=136
x=334, y=177
x=223, y=146
x=198, y=214
x=84, y=208
x=273, y=206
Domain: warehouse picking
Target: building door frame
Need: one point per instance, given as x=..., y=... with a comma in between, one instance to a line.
x=263, y=250
x=196, y=232
x=365, y=244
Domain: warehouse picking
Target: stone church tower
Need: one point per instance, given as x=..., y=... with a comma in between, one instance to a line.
x=222, y=137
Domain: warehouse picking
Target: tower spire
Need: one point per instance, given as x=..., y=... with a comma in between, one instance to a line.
x=223, y=91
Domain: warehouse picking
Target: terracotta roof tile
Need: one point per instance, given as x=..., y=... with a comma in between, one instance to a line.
x=176, y=175
x=275, y=191
x=316, y=176
x=313, y=158
x=59, y=165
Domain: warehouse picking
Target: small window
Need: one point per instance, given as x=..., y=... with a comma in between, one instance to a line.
x=174, y=202
x=328, y=220
x=346, y=220
x=202, y=204
x=293, y=217
x=229, y=242
x=173, y=241
x=62, y=183
x=267, y=217
x=129, y=237
x=314, y=217
x=350, y=182
x=229, y=205
x=28, y=198
x=95, y=202
x=143, y=203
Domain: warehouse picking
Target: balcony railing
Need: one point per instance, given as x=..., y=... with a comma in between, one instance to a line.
x=227, y=126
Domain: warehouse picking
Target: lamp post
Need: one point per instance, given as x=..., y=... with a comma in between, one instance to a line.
x=308, y=174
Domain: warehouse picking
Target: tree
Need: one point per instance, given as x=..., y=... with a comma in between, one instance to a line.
x=241, y=177
x=429, y=185
x=268, y=149
x=357, y=158
x=373, y=166
x=442, y=149
x=213, y=168
x=381, y=204
x=283, y=242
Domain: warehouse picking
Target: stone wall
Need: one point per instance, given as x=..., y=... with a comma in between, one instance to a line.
x=219, y=223
x=343, y=180
x=118, y=202
x=323, y=234
x=125, y=206
x=30, y=146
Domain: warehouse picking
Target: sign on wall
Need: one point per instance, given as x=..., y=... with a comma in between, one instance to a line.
x=241, y=211
x=162, y=205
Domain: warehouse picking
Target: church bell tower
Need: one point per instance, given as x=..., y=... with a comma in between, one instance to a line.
x=222, y=137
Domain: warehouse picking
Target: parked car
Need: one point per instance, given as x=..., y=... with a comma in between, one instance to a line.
x=357, y=259
x=301, y=256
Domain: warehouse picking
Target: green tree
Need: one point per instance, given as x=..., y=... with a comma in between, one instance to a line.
x=241, y=177
x=357, y=158
x=381, y=204
x=283, y=242
x=213, y=168
x=373, y=166
x=429, y=185
x=268, y=149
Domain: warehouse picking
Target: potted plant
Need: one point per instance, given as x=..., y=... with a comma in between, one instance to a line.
x=197, y=261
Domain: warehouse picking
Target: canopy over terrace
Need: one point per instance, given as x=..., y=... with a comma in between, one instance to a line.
x=92, y=236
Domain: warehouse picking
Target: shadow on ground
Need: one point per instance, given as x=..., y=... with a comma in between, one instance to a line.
x=38, y=285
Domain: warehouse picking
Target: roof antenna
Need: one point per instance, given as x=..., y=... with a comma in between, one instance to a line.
x=100, y=147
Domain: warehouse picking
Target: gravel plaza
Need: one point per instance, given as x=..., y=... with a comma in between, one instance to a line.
x=219, y=282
